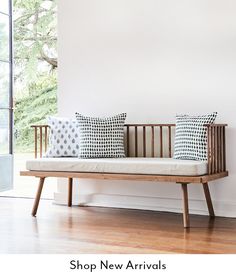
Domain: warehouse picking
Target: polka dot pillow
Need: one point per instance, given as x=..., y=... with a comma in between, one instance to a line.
x=191, y=136
x=63, y=137
x=101, y=137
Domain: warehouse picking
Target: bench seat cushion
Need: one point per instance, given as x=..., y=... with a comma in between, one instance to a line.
x=154, y=166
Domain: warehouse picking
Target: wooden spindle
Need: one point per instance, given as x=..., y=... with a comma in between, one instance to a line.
x=127, y=140
x=169, y=134
x=70, y=191
x=224, y=150
x=153, y=143
x=161, y=142
x=136, y=140
x=46, y=138
x=212, y=150
x=144, y=141
x=35, y=142
x=40, y=141
x=218, y=149
x=209, y=156
x=216, y=152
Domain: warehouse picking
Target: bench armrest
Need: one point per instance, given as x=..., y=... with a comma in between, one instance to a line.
x=40, y=139
x=216, y=148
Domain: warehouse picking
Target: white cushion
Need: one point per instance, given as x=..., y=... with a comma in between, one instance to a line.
x=154, y=166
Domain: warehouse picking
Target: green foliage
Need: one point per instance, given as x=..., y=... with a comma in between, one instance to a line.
x=35, y=67
x=34, y=37
x=30, y=110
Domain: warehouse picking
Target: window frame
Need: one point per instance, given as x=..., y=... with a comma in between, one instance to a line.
x=10, y=90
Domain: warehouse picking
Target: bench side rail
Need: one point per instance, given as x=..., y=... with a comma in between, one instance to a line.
x=216, y=147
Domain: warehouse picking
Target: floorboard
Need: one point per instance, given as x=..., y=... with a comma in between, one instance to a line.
x=60, y=229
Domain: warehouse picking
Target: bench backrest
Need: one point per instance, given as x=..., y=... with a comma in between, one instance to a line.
x=149, y=140
x=154, y=140
x=141, y=140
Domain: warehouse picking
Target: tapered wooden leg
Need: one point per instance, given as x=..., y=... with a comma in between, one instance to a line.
x=185, y=205
x=208, y=199
x=37, y=198
x=70, y=189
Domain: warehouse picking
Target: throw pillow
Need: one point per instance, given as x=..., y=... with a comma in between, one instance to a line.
x=101, y=137
x=191, y=136
x=63, y=137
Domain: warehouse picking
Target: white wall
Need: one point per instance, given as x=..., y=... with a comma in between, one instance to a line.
x=151, y=59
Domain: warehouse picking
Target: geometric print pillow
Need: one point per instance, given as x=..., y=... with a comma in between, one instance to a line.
x=191, y=136
x=101, y=137
x=63, y=137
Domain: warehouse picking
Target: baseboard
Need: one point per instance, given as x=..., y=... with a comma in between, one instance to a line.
x=222, y=208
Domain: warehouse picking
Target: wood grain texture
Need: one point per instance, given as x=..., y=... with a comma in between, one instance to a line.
x=161, y=142
x=144, y=141
x=127, y=141
x=224, y=149
x=110, y=176
x=46, y=139
x=35, y=142
x=216, y=148
x=169, y=140
x=70, y=190
x=38, y=195
x=208, y=199
x=136, y=140
x=41, y=142
x=209, y=138
x=185, y=205
x=106, y=230
x=153, y=142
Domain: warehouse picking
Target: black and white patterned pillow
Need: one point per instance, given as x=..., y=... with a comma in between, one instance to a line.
x=101, y=137
x=191, y=136
x=63, y=138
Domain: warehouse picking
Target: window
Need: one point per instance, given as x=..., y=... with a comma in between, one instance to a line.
x=6, y=77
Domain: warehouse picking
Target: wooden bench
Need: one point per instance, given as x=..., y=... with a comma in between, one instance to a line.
x=144, y=140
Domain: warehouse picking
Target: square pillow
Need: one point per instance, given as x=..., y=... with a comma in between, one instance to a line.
x=191, y=136
x=101, y=137
x=63, y=137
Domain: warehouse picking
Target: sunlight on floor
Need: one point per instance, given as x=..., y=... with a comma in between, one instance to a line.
x=27, y=186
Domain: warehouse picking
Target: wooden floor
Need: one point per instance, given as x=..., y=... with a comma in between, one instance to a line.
x=59, y=229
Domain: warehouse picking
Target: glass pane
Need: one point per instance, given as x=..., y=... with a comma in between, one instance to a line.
x=4, y=6
x=6, y=179
x=4, y=84
x=4, y=132
x=4, y=37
